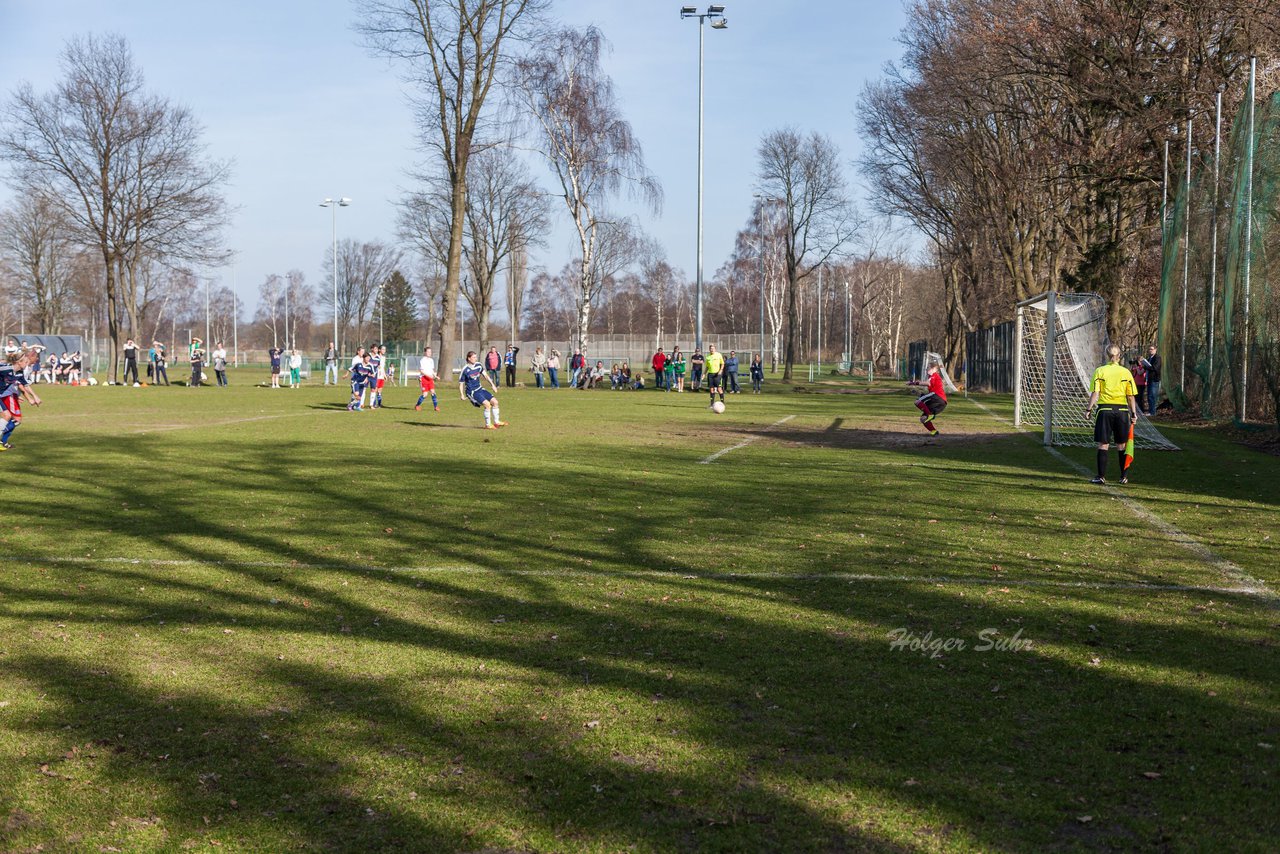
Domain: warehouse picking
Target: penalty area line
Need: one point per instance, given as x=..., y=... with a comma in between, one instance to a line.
x=747, y=441
x=1227, y=568
x=657, y=574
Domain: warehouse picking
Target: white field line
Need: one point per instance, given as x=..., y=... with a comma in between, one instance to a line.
x=849, y=577
x=1229, y=570
x=165, y=428
x=747, y=441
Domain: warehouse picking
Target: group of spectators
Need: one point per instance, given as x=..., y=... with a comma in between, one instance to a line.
x=67, y=368
x=670, y=369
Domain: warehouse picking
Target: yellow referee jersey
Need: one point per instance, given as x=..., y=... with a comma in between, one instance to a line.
x=1114, y=385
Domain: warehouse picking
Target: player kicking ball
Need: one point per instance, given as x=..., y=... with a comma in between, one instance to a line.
x=13, y=387
x=933, y=401
x=472, y=389
x=427, y=380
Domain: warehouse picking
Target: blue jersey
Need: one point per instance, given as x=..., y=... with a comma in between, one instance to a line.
x=470, y=376
x=274, y=353
x=360, y=375
x=9, y=380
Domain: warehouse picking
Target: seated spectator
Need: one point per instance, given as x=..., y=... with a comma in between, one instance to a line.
x=638, y=384
x=595, y=375
x=615, y=377
x=64, y=367
x=47, y=370
x=73, y=376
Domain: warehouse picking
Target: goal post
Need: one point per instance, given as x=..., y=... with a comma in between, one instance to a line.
x=1061, y=339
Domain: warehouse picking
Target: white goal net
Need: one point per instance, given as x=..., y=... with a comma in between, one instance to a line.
x=1058, y=399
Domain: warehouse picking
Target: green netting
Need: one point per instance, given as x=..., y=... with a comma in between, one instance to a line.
x=1220, y=310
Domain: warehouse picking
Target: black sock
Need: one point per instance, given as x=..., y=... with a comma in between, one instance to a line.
x=1123, y=470
x=1102, y=463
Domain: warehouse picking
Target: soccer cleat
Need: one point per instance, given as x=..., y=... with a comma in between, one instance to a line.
x=1124, y=479
x=4, y=446
x=490, y=427
x=499, y=424
x=1101, y=481
x=417, y=409
x=437, y=409
x=933, y=433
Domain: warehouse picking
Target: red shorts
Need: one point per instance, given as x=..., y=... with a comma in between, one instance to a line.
x=13, y=405
x=380, y=382
x=427, y=383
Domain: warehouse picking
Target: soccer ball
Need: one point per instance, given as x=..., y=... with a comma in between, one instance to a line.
x=93, y=381
x=717, y=407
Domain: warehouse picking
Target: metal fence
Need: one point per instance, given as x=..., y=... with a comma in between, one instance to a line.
x=988, y=364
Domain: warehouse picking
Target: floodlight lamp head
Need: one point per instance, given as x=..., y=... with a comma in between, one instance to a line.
x=715, y=10
x=344, y=202
x=721, y=24
x=688, y=11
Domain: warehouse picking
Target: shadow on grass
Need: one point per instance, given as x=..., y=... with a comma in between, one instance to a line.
x=750, y=713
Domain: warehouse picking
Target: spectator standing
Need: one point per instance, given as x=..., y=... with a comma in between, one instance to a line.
x=151, y=363
x=539, y=366
x=1140, y=380
x=162, y=365
x=331, y=363
x=1153, y=365
x=757, y=374
x=220, y=364
x=130, y=361
x=197, y=366
x=493, y=364
x=659, y=367
x=669, y=372
x=295, y=369
x=509, y=362
x=275, y=353
x=680, y=368
x=697, y=364
x=731, y=372
x=553, y=368
x=577, y=365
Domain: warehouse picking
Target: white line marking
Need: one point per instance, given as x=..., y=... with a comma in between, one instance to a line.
x=170, y=427
x=1229, y=569
x=850, y=577
x=747, y=441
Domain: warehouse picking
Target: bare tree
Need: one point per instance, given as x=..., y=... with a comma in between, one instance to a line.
x=804, y=173
x=452, y=51
x=38, y=247
x=364, y=267
x=125, y=167
x=506, y=213
x=589, y=146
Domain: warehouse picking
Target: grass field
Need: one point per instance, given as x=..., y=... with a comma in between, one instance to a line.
x=246, y=619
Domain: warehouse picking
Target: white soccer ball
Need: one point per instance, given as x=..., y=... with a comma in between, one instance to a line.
x=93, y=380
x=718, y=407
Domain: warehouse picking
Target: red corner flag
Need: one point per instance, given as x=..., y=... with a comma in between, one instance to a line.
x=1128, y=448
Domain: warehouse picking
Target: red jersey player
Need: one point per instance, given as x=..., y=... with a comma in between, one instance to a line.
x=933, y=401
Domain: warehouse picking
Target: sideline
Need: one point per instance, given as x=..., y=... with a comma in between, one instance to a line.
x=1228, y=569
x=747, y=441
x=850, y=577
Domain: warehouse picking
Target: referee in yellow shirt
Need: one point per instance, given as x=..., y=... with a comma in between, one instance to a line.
x=1114, y=397
x=715, y=373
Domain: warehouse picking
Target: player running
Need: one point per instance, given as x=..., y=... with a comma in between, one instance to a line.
x=1114, y=395
x=427, y=380
x=715, y=373
x=471, y=388
x=361, y=375
x=13, y=387
x=933, y=401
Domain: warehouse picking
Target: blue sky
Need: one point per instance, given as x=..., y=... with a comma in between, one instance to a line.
x=286, y=90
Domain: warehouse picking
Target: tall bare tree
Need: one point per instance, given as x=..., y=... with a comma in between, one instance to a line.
x=590, y=148
x=364, y=266
x=452, y=52
x=804, y=172
x=126, y=168
x=38, y=247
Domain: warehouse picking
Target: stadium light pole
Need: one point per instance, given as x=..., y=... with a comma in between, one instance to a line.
x=208, y=280
x=715, y=13
x=333, y=205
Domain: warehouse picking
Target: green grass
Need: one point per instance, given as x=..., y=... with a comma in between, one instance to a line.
x=246, y=619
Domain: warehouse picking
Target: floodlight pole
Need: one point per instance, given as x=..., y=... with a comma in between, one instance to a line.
x=716, y=13
x=1213, y=255
x=1248, y=241
x=333, y=205
x=819, y=323
x=286, y=311
x=1186, y=264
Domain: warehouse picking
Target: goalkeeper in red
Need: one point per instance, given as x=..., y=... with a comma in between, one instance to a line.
x=1114, y=397
x=933, y=401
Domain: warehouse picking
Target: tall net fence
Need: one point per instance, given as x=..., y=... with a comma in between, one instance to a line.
x=1057, y=395
x=1220, y=278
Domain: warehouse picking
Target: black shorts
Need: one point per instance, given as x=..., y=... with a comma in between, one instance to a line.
x=1112, y=426
x=932, y=403
x=715, y=380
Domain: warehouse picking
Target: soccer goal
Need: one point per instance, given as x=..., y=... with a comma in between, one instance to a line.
x=936, y=358
x=1069, y=332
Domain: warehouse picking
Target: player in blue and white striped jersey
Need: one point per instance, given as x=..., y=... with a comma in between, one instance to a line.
x=471, y=388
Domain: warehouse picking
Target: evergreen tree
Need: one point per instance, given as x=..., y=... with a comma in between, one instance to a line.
x=399, y=308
